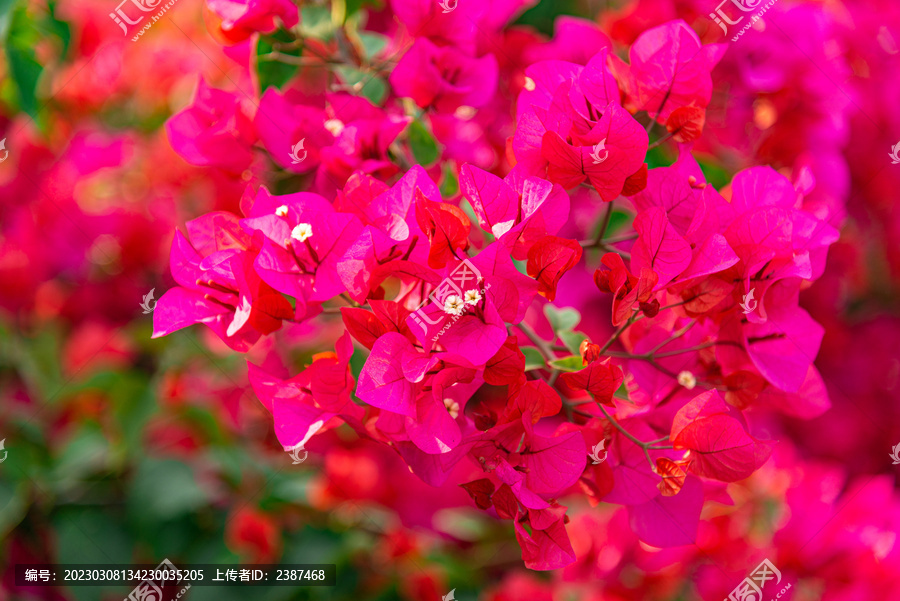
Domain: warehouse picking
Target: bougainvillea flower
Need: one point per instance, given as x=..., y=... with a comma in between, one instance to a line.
x=630, y=293
x=720, y=447
x=525, y=208
x=670, y=69
x=444, y=78
x=360, y=145
x=303, y=404
x=249, y=16
x=213, y=130
x=571, y=124
x=218, y=285
x=293, y=129
x=304, y=238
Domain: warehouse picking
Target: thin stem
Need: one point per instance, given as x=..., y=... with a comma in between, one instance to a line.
x=545, y=349
x=660, y=141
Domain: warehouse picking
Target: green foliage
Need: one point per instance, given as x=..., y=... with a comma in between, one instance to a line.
x=424, y=146
x=562, y=318
x=273, y=73
x=367, y=85
x=570, y=363
x=19, y=40
x=533, y=358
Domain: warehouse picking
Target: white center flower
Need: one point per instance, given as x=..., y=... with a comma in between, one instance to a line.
x=452, y=407
x=464, y=112
x=454, y=305
x=472, y=297
x=687, y=380
x=529, y=84
x=282, y=211
x=301, y=232
x=335, y=126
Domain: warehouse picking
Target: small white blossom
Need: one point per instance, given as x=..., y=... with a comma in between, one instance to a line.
x=529, y=84
x=454, y=305
x=302, y=232
x=687, y=380
x=473, y=297
x=335, y=126
x=452, y=407
x=282, y=211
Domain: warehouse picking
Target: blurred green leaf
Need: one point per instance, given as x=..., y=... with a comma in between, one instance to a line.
x=92, y=535
x=13, y=504
x=533, y=358
x=571, y=363
x=372, y=43
x=562, y=319
x=87, y=453
x=573, y=341
x=315, y=21
x=59, y=28
x=164, y=489
x=24, y=69
x=273, y=73
x=424, y=146
x=365, y=84
x=618, y=221
x=450, y=185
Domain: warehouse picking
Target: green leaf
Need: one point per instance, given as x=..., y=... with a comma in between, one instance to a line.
x=372, y=43
x=5, y=16
x=365, y=84
x=164, y=489
x=450, y=187
x=571, y=363
x=13, y=505
x=573, y=341
x=59, y=28
x=424, y=146
x=617, y=221
x=316, y=22
x=562, y=319
x=533, y=358
x=274, y=73
x=24, y=69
